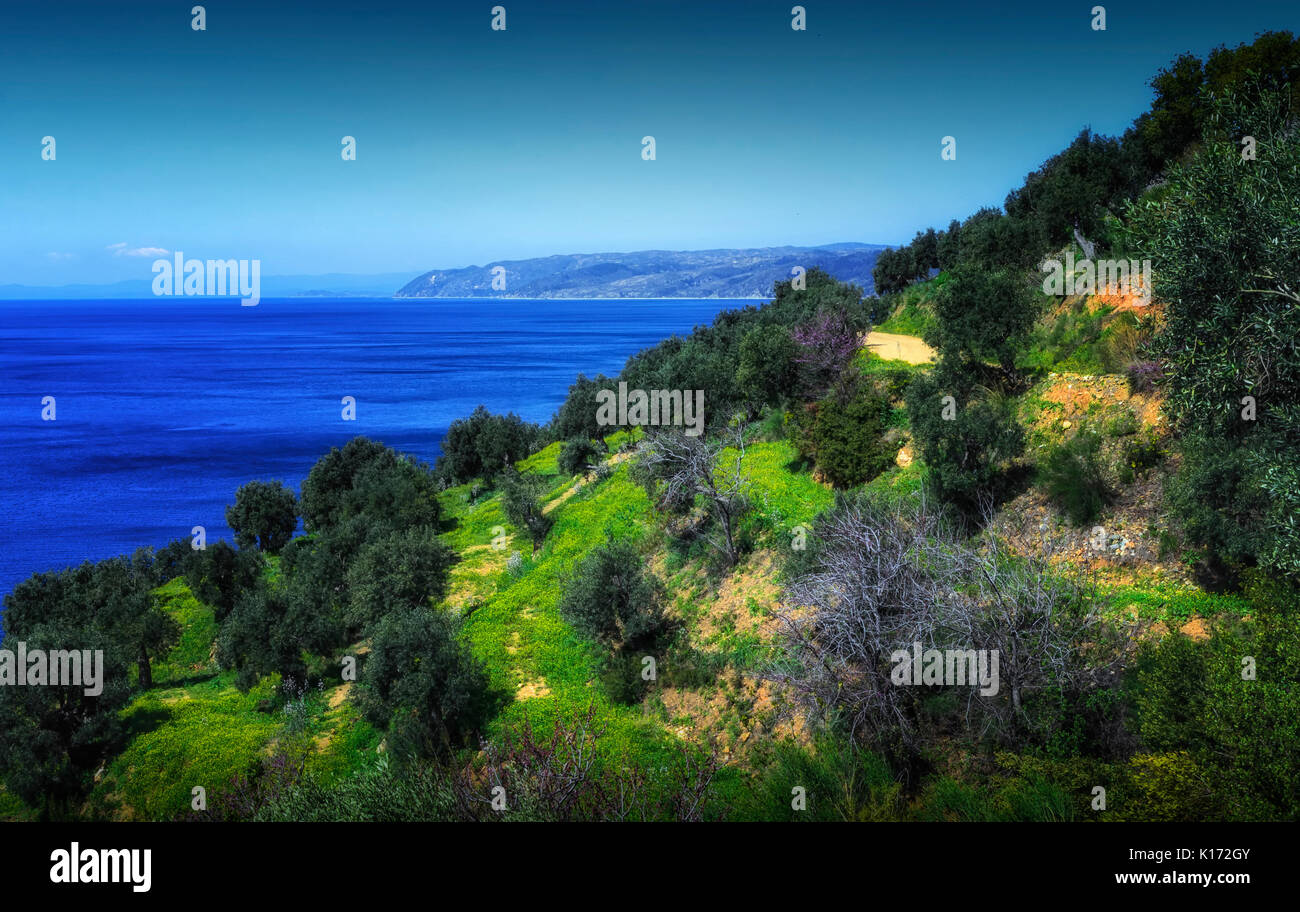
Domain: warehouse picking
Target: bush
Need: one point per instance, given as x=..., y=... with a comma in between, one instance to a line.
x=367, y=479
x=576, y=417
x=576, y=456
x=1238, y=731
x=406, y=569
x=611, y=599
x=219, y=573
x=1143, y=376
x=1224, y=236
x=1071, y=475
x=1140, y=456
x=983, y=314
x=423, y=685
x=766, y=372
x=968, y=455
x=840, y=782
x=847, y=434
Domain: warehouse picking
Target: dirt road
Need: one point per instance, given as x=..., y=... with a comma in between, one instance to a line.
x=900, y=348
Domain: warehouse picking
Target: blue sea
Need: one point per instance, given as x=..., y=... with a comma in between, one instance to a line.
x=164, y=407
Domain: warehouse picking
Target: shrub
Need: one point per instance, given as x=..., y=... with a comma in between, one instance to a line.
x=983, y=314
x=968, y=455
x=367, y=479
x=847, y=434
x=1143, y=376
x=611, y=599
x=1140, y=456
x=1072, y=476
x=1124, y=424
x=423, y=685
x=576, y=417
x=766, y=372
x=406, y=569
x=1230, y=320
x=841, y=782
x=576, y=456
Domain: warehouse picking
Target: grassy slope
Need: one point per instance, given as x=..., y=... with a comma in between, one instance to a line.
x=195, y=728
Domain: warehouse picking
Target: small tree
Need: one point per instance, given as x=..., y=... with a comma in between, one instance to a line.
x=521, y=500
x=577, y=455
x=219, y=573
x=424, y=686
x=123, y=598
x=484, y=444
x=1222, y=237
x=967, y=441
x=53, y=738
x=405, y=569
x=576, y=417
x=826, y=346
x=264, y=515
x=766, y=372
x=367, y=479
x=611, y=599
x=677, y=470
x=275, y=629
x=983, y=314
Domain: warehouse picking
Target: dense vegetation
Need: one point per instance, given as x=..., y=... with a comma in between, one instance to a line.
x=561, y=622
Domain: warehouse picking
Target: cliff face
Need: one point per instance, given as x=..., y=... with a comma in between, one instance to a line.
x=649, y=274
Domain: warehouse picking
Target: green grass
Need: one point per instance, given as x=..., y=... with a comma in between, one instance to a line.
x=200, y=735
x=192, y=654
x=1166, y=601
x=913, y=315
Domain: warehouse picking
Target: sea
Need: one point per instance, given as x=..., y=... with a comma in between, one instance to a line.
x=163, y=407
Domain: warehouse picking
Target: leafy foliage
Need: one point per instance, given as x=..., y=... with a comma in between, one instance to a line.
x=423, y=684
x=611, y=599
x=1223, y=239
x=483, y=445
x=264, y=515
x=1072, y=476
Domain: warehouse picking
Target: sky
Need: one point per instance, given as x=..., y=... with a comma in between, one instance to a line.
x=475, y=145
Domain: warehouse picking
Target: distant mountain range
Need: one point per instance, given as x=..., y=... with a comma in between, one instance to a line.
x=747, y=273
x=649, y=273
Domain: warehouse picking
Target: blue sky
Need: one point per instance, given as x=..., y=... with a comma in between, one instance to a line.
x=475, y=145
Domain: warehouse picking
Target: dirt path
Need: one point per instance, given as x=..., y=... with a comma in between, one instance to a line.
x=894, y=347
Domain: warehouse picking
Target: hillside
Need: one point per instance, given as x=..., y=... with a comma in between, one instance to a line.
x=649, y=273
x=979, y=549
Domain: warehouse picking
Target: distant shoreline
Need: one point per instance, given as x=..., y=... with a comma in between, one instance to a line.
x=363, y=297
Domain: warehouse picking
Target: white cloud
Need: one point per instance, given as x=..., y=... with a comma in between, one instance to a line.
x=57, y=256
x=120, y=249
